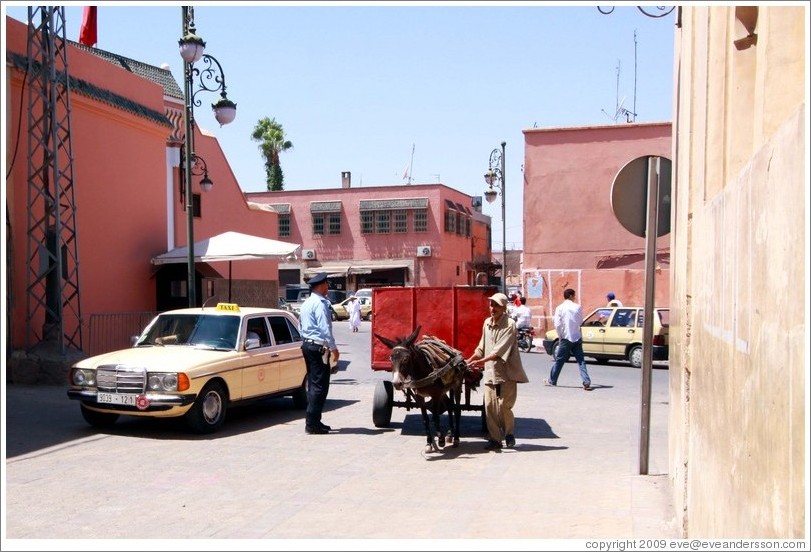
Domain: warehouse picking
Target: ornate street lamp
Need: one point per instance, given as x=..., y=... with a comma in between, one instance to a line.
x=495, y=178
x=212, y=79
x=198, y=168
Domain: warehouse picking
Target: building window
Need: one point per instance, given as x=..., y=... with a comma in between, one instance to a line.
x=420, y=220
x=383, y=222
x=335, y=223
x=366, y=222
x=400, y=221
x=460, y=224
x=450, y=221
x=318, y=224
x=284, y=226
x=195, y=206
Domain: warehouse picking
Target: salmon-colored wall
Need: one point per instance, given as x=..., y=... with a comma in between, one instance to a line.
x=224, y=208
x=118, y=179
x=481, y=246
x=569, y=225
x=121, y=170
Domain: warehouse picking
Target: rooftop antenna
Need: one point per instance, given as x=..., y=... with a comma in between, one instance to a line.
x=630, y=116
x=411, y=166
x=620, y=109
x=409, y=170
x=618, y=105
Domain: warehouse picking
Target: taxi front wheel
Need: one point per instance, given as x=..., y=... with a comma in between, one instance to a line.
x=98, y=419
x=208, y=412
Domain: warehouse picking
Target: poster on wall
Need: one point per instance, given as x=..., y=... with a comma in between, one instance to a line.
x=535, y=286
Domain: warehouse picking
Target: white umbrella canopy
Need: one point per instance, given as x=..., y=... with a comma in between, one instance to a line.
x=229, y=246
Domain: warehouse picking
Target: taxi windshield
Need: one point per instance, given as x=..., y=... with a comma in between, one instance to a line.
x=197, y=330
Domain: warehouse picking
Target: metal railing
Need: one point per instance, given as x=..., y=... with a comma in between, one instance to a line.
x=112, y=331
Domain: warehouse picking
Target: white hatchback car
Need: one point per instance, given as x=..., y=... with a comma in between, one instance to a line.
x=364, y=292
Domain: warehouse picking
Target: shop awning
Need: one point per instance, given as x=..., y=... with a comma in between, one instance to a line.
x=229, y=246
x=338, y=270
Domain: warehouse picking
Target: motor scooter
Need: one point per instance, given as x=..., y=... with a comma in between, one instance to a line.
x=525, y=337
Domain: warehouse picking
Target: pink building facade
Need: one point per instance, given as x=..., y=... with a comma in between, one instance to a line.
x=571, y=237
x=403, y=235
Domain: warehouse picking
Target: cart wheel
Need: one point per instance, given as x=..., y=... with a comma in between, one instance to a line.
x=382, y=403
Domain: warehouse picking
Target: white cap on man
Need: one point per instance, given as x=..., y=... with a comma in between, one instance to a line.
x=500, y=299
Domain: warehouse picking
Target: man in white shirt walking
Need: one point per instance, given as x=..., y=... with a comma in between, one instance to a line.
x=568, y=319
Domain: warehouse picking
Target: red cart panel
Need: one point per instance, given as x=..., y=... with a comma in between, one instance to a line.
x=453, y=314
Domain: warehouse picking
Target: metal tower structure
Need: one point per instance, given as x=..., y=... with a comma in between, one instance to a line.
x=52, y=259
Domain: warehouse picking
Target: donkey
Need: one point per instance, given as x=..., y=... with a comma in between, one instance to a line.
x=414, y=371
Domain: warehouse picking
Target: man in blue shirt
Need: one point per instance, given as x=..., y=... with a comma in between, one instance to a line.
x=315, y=324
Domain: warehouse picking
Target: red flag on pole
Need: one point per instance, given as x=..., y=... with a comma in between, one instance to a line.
x=87, y=33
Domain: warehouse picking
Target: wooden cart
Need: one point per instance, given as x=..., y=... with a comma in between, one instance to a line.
x=453, y=314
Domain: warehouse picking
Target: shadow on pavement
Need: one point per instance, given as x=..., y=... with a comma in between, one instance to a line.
x=39, y=417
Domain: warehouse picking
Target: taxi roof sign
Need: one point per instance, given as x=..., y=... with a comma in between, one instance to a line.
x=227, y=307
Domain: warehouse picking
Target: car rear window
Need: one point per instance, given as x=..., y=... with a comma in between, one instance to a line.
x=283, y=331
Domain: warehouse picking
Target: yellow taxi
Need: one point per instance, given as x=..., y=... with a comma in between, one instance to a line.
x=195, y=363
x=340, y=311
x=615, y=333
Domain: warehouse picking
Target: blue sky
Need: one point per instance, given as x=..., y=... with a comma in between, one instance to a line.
x=356, y=86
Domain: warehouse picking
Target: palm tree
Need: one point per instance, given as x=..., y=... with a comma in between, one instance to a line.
x=273, y=141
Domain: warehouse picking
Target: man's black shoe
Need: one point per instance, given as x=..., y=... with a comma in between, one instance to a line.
x=509, y=441
x=325, y=426
x=315, y=430
x=492, y=445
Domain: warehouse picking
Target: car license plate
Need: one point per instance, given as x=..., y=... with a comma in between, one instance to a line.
x=116, y=398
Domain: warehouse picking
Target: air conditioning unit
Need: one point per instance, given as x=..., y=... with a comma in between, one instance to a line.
x=424, y=251
x=308, y=254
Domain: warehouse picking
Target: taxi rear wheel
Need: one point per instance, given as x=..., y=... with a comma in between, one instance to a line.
x=98, y=419
x=208, y=412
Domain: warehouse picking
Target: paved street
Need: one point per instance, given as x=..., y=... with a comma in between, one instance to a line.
x=573, y=473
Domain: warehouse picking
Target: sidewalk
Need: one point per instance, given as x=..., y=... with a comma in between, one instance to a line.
x=572, y=474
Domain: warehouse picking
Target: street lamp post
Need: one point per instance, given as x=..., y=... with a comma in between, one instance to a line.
x=211, y=79
x=495, y=177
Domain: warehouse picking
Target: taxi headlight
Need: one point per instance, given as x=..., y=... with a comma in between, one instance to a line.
x=83, y=377
x=162, y=381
